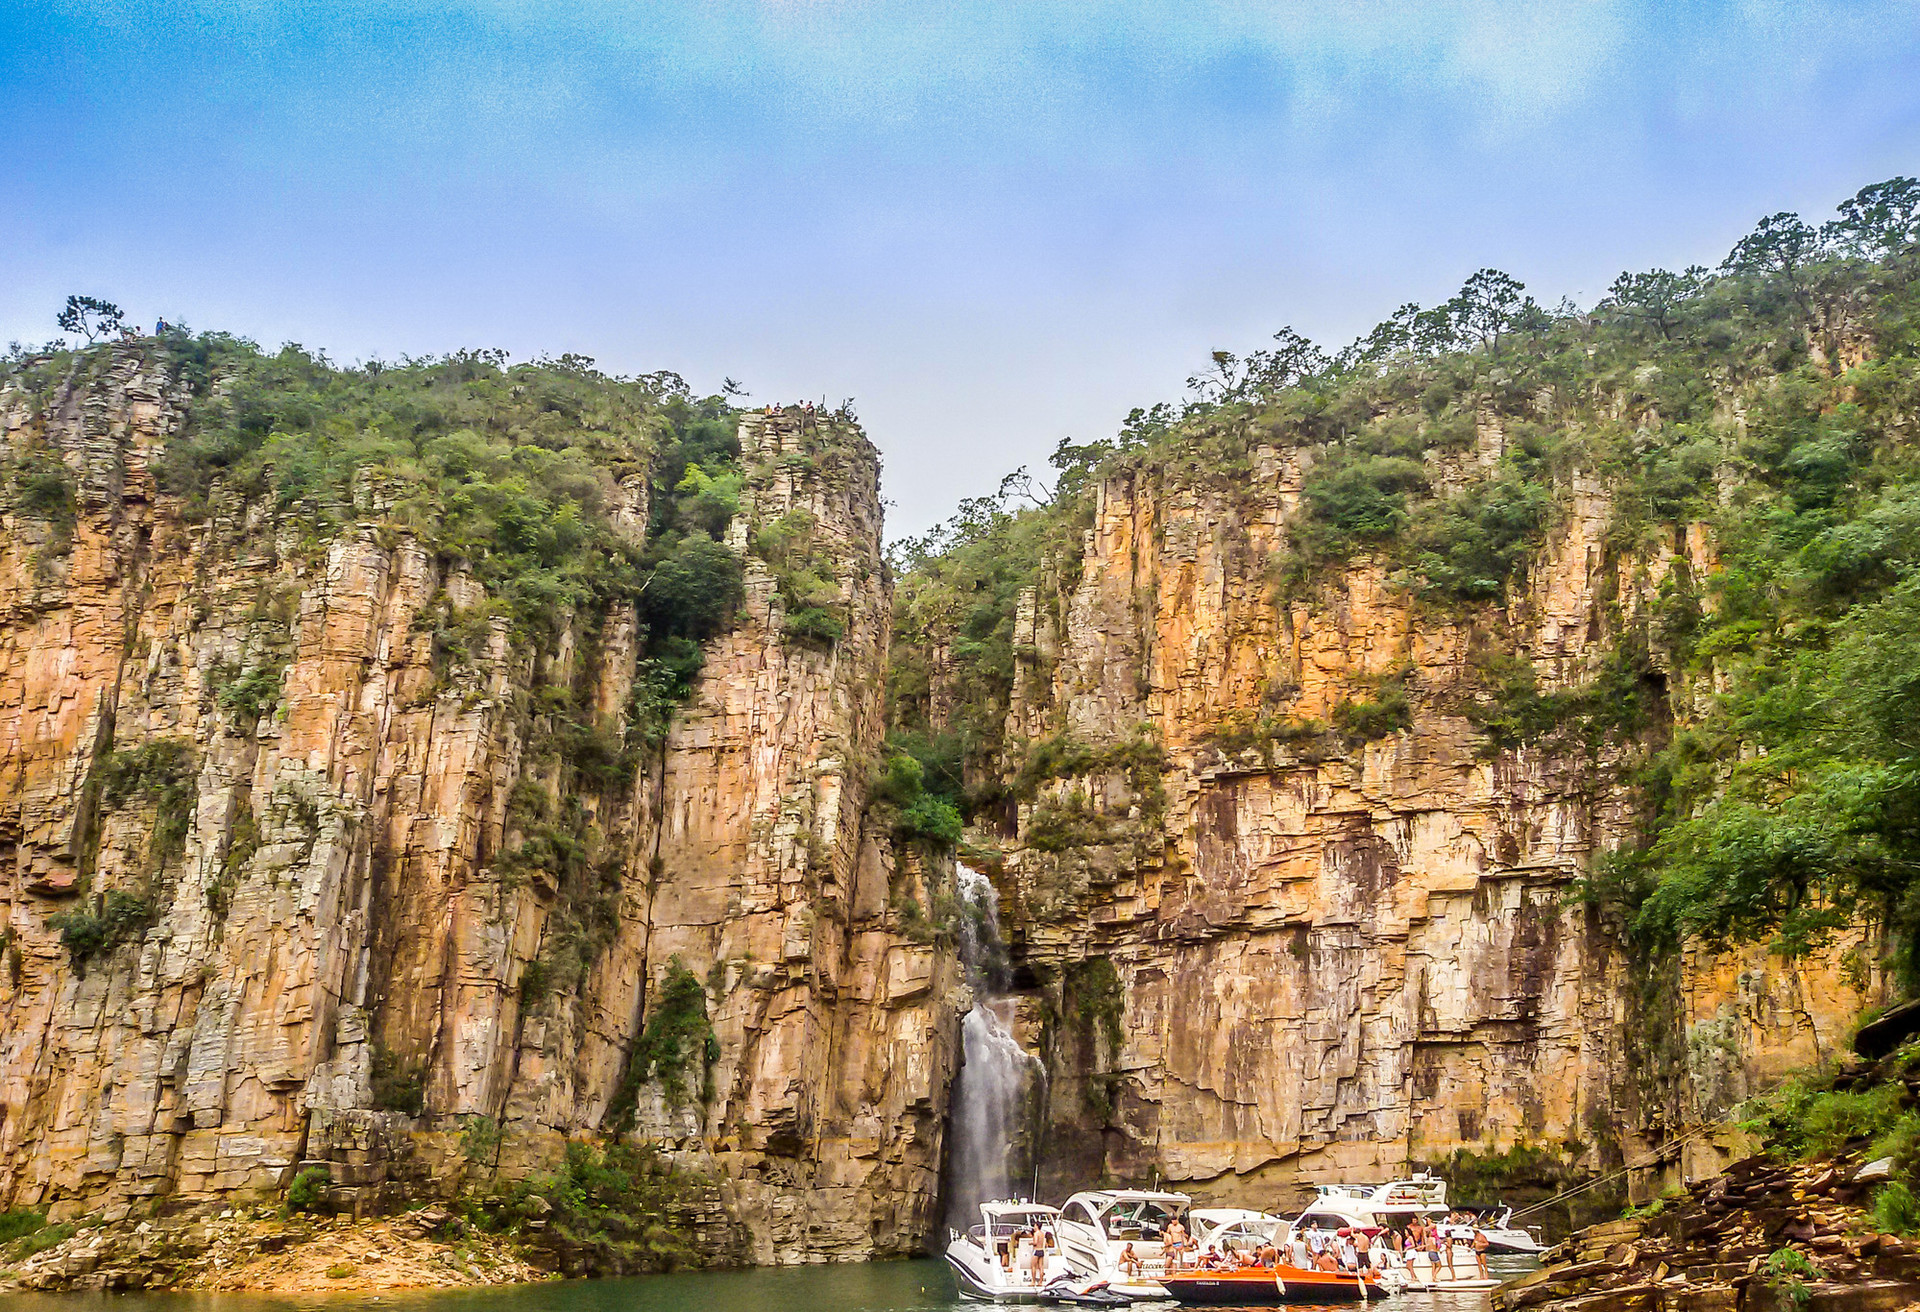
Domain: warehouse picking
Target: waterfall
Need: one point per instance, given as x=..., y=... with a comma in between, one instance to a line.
x=993, y=1107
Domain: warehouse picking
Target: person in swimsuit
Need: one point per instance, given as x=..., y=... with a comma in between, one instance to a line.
x=1129, y=1261
x=1175, y=1243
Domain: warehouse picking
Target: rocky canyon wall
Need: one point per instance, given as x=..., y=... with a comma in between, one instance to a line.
x=1286, y=916
x=276, y=864
x=311, y=857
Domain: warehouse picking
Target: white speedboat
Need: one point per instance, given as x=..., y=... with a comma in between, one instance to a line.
x=1118, y=1236
x=1011, y=1256
x=1503, y=1236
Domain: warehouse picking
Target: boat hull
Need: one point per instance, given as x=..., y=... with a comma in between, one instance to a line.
x=973, y=1286
x=1269, y=1288
x=1511, y=1241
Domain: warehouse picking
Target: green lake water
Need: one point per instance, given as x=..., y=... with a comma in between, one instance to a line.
x=860, y=1287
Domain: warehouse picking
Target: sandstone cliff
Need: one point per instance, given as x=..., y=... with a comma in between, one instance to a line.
x=280, y=880
x=1336, y=957
x=1286, y=910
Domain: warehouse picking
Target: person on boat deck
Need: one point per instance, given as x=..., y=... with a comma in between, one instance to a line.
x=1324, y=1260
x=1210, y=1260
x=1480, y=1246
x=1266, y=1255
x=1175, y=1242
x=1129, y=1261
x=1343, y=1250
x=1417, y=1234
x=1037, y=1260
x=1382, y=1250
x=1299, y=1253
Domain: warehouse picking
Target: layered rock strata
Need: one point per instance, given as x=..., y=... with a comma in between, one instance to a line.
x=1763, y=1237
x=315, y=866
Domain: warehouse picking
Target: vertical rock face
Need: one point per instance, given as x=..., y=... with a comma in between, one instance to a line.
x=262, y=859
x=1343, y=931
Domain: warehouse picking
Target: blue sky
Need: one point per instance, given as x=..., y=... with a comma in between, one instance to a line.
x=993, y=225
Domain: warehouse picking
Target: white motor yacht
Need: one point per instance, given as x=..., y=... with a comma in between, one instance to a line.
x=1367, y=1209
x=1011, y=1256
x=1118, y=1236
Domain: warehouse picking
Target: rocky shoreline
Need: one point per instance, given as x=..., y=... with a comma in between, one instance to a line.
x=251, y=1250
x=1763, y=1237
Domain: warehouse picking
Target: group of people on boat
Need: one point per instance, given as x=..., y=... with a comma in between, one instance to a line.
x=1438, y=1244
x=1121, y=1244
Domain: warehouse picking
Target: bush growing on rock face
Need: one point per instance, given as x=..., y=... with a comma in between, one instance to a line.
x=610, y=1209
x=1387, y=712
x=1787, y=1269
x=1896, y=1210
x=308, y=1192
x=694, y=589
x=678, y=1039
x=399, y=1082
x=920, y=816
x=20, y=1223
x=113, y=918
x=480, y=1139
x=159, y=772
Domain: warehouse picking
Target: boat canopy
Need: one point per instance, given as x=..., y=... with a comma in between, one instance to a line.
x=1125, y=1214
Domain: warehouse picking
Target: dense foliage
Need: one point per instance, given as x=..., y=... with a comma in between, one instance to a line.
x=1768, y=713
x=1870, y=1115
x=621, y=1209
x=530, y=475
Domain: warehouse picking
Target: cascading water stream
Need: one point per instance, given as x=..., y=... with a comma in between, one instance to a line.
x=993, y=1096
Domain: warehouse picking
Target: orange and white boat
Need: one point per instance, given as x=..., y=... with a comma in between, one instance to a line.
x=1272, y=1286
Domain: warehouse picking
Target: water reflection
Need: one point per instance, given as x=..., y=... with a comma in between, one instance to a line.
x=917, y=1286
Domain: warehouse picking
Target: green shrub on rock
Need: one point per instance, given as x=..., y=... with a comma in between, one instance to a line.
x=308, y=1192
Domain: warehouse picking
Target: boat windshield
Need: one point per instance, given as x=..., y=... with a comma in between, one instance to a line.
x=1139, y=1218
x=1246, y=1236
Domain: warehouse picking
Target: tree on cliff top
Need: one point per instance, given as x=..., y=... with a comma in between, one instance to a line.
x=91, y=317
